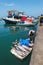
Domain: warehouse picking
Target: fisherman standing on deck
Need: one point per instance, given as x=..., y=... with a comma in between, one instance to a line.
x=9, y=14
x=31, y=35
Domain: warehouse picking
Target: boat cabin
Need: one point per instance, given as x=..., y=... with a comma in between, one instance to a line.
x=15, y=14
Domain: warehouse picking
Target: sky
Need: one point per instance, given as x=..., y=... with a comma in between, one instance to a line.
x=29, y=7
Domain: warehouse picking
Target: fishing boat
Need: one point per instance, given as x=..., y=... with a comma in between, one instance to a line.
x=27, y=24
x=16, y=17
x=21, y=50
x=29, y=21
x=13, y=17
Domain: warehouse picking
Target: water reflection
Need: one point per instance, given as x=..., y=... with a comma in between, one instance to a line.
x=19, y=32
x=14, y=28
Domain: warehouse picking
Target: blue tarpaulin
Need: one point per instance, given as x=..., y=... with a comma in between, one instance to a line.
x=24, y=42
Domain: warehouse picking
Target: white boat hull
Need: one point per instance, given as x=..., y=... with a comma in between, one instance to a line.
x=11, y=20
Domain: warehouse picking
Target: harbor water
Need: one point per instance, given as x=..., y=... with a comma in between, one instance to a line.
x=8, y=34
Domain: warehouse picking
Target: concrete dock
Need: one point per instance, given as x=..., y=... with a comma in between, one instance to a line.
x=37, y=54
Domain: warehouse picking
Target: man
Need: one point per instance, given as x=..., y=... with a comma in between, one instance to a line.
x=31, y=35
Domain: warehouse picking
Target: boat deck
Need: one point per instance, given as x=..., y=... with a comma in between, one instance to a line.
x=21, y=51
x=20, y=54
